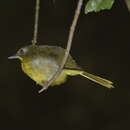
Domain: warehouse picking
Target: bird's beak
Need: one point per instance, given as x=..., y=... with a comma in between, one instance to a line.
x=13, y=57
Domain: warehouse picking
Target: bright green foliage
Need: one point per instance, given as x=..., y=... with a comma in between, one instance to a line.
x=98, y=5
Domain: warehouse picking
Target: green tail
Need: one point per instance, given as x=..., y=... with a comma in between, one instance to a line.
x=97, y=79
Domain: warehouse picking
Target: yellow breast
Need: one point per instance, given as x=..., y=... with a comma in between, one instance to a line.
x=32, y=72
x=42, y=71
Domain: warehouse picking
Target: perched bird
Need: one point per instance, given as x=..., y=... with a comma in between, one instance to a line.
x=41, y=62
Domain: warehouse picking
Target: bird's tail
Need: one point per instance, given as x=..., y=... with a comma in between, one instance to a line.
x=104, y=82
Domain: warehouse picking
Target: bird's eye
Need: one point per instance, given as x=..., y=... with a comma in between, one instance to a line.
x=22, y=51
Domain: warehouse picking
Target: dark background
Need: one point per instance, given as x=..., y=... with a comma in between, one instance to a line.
x=100, y=46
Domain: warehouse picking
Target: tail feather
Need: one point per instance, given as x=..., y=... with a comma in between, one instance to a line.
x=97, y=79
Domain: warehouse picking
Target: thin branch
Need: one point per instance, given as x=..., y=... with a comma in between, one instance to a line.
x=69, y=43
x=34, y=41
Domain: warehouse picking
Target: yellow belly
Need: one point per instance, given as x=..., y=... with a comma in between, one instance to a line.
x=39, y=77
x=32, y=73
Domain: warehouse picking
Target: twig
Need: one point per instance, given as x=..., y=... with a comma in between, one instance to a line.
x=69, y=43
x=34, y=41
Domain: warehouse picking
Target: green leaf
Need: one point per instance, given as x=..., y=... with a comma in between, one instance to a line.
x=98, y=5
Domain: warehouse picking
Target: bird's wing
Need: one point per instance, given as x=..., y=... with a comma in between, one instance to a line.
x=57, y=53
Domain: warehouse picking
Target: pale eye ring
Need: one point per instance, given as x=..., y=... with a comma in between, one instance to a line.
x=23, y=51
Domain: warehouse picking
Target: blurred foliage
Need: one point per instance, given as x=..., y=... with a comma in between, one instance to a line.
x=98, y=5
x=128, y=4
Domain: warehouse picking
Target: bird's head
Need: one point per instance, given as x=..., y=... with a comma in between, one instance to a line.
x=25, y=53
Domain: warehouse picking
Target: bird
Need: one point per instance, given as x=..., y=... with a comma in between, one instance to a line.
x=41, y=62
